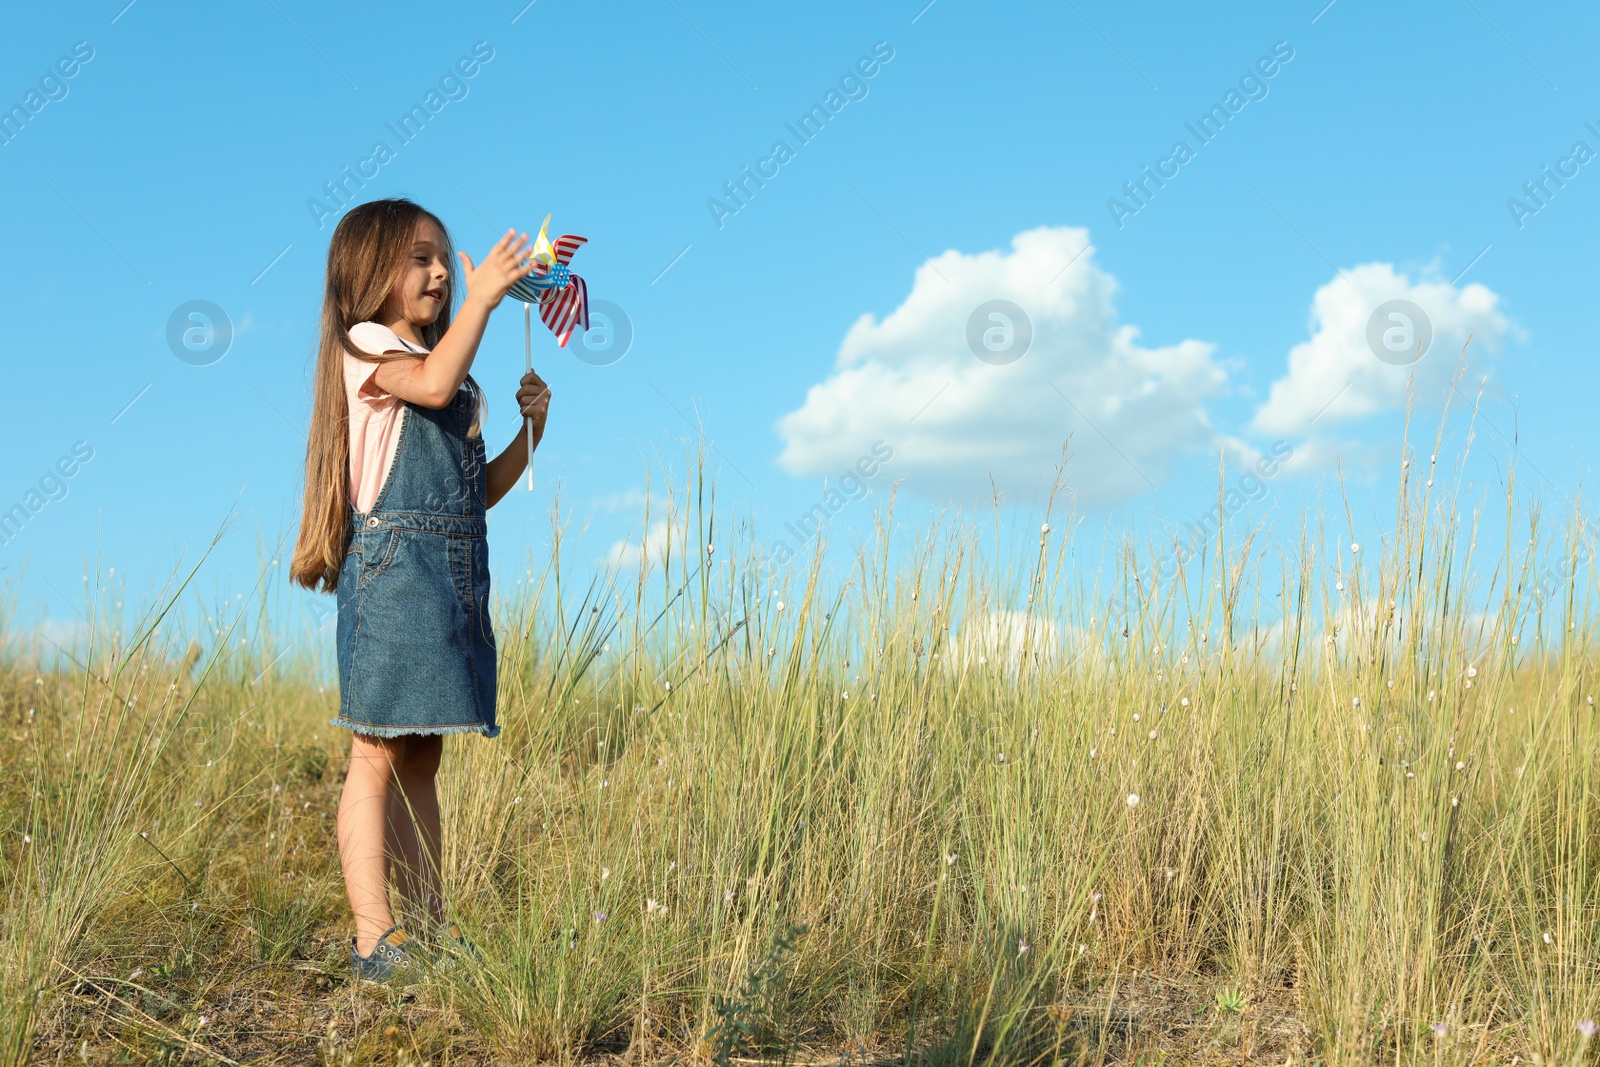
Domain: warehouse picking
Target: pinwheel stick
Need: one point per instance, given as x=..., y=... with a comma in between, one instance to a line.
x=527, y=360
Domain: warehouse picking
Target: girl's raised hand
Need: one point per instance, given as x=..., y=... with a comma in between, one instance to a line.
x=505, y=265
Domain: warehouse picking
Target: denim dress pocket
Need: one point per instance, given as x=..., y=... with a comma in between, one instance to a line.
x=378, y=549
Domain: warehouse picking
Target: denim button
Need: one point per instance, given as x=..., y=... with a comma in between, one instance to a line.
x=372, y=522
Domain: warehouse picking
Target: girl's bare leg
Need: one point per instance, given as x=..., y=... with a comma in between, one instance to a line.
x=414, y=828
x=363, y=811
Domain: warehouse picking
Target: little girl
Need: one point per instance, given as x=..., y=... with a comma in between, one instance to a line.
x=394, y=522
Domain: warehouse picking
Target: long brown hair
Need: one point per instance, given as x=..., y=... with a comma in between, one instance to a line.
x=365, y=257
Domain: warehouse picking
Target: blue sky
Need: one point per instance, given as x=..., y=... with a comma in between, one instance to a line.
x=832, y=311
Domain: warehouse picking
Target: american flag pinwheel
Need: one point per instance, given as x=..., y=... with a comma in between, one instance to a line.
x=562, y=297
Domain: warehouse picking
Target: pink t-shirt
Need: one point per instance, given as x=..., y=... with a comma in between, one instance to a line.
x=374, y=414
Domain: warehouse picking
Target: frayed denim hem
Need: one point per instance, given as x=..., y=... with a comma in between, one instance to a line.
x=413, y=731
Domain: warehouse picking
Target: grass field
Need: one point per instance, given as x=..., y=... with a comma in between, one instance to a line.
x=1314, y=803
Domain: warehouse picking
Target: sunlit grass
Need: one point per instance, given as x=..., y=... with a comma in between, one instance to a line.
x=980, y=805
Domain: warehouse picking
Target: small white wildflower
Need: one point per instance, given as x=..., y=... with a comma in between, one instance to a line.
x=516, y=800
x=1455, y=802
x=599, y=917
x=779, y=604
x=1183, y=703
x=949, y=858
x=137, y=971
x=1472, y=672
x=605, y=872
x=1460, y=766
x=672, y=866
x=1136, y=716
x=1152, y=735
x=1354, y=547
x=1430, y=694
x=1587, y=1028
x=1022, y=947
x=1092, y=752
x=1355, y=702
x=1133, y=800
x=1339, y=585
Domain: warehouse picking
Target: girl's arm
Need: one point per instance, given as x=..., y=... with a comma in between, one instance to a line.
x=504, y=470
x=432, y=381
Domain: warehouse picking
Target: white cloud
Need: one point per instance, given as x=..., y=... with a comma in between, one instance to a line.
x=632, y=499
x=1334, y=376
x=59, y=642
x=955, y=421
x=661, y=537
x=1002, y=638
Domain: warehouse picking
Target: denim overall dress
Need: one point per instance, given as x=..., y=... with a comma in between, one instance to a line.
x=416, y=645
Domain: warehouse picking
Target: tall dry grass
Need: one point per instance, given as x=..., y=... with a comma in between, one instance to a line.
x=958, y=803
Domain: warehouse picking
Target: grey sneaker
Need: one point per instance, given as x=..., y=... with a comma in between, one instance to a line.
x=393, y=959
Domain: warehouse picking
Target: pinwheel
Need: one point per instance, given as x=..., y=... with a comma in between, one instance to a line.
x=562, y=297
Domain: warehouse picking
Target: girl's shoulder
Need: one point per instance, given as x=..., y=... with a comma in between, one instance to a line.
x=377, y=339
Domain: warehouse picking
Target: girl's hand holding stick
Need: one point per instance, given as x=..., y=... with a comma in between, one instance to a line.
x=533, y=398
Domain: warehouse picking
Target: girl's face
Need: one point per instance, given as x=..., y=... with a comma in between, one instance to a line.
x=422, y=289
